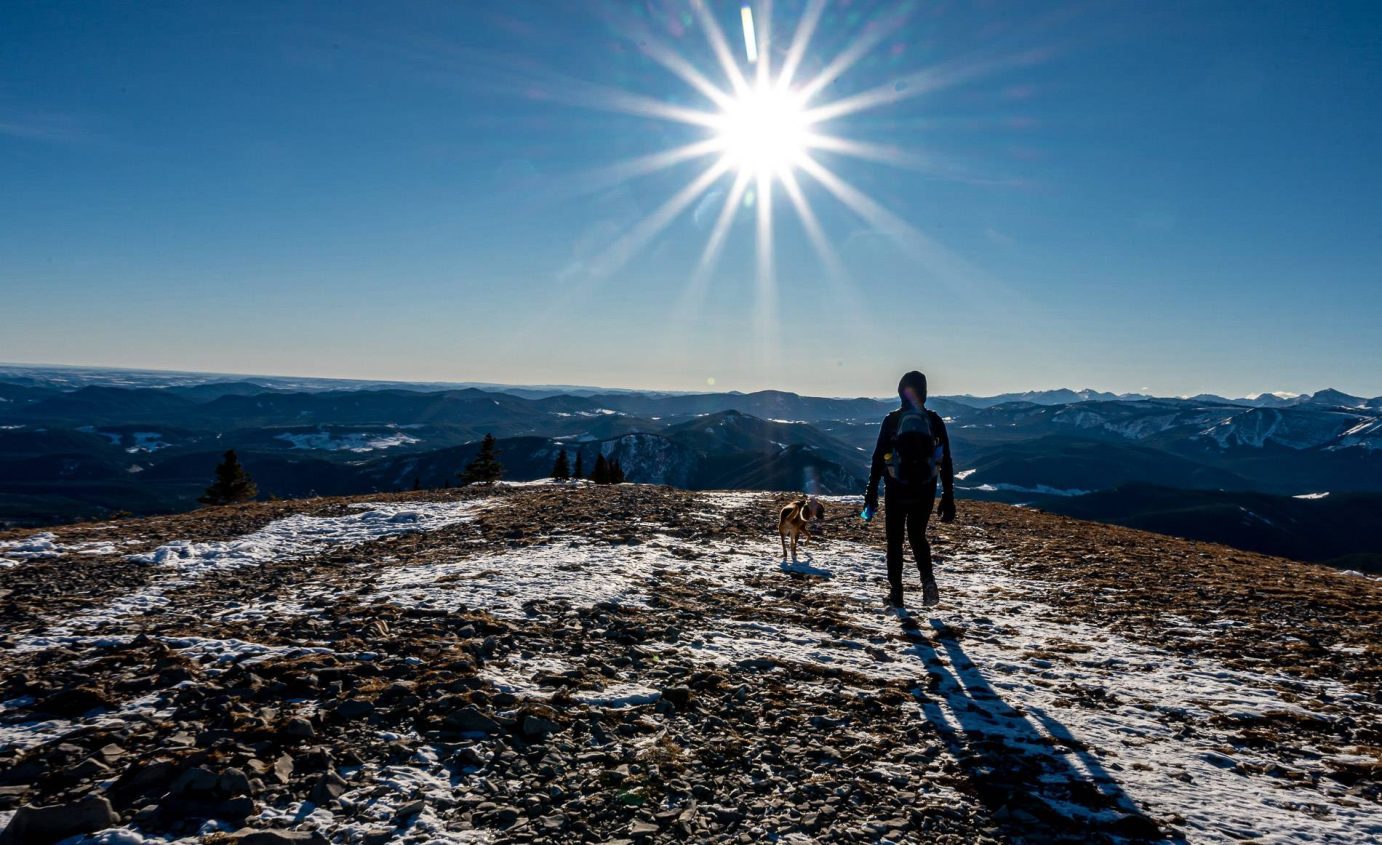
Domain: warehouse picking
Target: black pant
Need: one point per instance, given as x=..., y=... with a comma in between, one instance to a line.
x=907, y=515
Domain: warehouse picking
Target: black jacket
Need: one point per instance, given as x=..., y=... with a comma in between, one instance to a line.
x=879, y=469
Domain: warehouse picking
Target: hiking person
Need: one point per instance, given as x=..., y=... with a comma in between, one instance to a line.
x=913, y=451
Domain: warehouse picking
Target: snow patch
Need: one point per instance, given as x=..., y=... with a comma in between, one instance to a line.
x=182, y=562
x=354, y=441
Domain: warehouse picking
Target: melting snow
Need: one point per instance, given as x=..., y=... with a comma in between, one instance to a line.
x=37, y=547
x=146, y=441
x=182, y=562
x=1040, y=489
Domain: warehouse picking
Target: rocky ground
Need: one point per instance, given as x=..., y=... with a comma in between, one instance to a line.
x=574, y=663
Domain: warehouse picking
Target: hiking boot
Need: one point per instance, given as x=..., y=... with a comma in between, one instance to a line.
x=930, y=594
x=895, y=598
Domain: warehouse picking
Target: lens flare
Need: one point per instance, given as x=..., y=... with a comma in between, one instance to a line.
x=750, y=38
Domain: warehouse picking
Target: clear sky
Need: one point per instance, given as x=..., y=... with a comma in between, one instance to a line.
x=1173, y=196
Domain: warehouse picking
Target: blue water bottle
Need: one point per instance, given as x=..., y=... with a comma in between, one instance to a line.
x=868, y=512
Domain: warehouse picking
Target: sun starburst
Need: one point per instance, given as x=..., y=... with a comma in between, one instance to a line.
x=766, y=132
x=763, y=131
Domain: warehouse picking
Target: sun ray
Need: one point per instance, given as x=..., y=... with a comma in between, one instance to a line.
x=949, y=269
x=659, y=52
x=765, y=308
x=605, y=98
x=692, y=296
x=623, y=171
x=648, y=228
x=868, y=151
x=763, y=33
x=720, y=47
x=806, y=28
x=922, y=82
x=870, y=38
x=710, y=256
x=843, y=289
x=814, y=233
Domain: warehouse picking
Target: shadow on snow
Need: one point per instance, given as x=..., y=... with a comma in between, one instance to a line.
x=1039, y=784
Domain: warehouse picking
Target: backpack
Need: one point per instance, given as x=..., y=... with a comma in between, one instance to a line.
x=916, y=452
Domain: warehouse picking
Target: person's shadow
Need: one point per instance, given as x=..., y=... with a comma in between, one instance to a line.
x=1037, y=786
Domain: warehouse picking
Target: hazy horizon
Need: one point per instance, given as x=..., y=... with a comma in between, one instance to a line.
x=1166, y=198
x=717, y=388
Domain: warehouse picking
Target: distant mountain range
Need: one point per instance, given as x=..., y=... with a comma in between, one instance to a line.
x=78, y=443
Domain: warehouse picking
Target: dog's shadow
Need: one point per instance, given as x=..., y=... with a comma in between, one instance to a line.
x=804, y=565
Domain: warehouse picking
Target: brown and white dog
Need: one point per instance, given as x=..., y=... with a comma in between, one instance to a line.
x=794, y=520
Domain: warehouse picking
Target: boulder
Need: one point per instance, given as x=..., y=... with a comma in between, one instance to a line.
x=42, y=825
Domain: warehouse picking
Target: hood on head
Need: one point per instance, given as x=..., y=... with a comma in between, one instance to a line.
x=915, y=380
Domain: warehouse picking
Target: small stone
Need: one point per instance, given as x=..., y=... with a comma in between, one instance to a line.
x=88, y=768
x=141, y=783
x=233, y=782
x=535, y=726
x=469, y=720
x=234, y=810
x=1136, y=826
x=250, y=836
x=354, y=708
x=283, y=768
x=10, y=796
x=74, y=701
x=195, y=781
x=298, y=728
x=328, y=788
x=110, y=753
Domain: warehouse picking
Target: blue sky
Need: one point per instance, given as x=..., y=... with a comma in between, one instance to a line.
x=1178, y=197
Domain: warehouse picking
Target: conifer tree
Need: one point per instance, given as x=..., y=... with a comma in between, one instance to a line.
x=580, y=464
x=600, y=475
x=485, y=467
x=232, y=483
x=616, y=472
x=561, y=469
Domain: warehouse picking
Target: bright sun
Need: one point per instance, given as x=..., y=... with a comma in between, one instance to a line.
x=764, y=131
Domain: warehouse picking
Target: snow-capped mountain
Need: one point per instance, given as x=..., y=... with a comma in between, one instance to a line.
x=1301, y=426
x=1061, y=396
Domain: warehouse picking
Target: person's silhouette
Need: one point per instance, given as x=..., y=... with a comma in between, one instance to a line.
x=913, y=452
